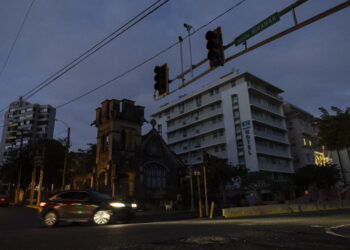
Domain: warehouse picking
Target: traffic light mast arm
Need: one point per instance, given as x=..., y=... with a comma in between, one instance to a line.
x=270, y=39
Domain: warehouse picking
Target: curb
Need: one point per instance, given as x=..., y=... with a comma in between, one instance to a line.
x=281, y=209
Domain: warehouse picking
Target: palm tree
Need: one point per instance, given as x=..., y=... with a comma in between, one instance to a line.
x=334, y=131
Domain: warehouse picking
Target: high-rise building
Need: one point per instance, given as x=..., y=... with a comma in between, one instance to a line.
x=24, y=123
x=301, y=135
x=239, y=117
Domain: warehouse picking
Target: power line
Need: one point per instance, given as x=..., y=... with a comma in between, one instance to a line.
x=89, y=52
x=147, y=60
x=17, y=36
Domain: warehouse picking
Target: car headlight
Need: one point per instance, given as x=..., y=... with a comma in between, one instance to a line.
x=117, y=204
x=133, y=205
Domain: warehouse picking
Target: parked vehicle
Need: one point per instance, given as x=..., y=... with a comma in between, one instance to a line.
x=4, y=200
x=83, y=206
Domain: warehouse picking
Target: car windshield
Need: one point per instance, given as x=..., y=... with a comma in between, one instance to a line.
x=101, y=196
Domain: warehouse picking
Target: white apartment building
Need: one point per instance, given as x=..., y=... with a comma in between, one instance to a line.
x=239, y=117
x=26, y=122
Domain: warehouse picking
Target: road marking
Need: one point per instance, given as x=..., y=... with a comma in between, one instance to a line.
x=329, y=231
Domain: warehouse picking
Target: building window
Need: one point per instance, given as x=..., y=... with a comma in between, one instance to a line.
x=213, y=120
x=218, y=105
x=236, y=114
x=160, y=128
x=216, y=90
x=104, y=143
x=221, y=132
x=215, y=134
x=212, y=107
x=181, y=107
x=233, y=84
x=216, y=149
x=241, y=160
x=198, y=100
x=123, y=140
x=238, y=128
x=234, y=99
x=155, y=176
x=223, y=147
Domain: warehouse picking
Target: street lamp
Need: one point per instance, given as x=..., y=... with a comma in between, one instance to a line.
x=188, y=28
x=66, y=152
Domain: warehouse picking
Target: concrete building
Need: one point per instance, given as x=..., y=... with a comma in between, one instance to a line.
x=301, y=135
x=26, y=122
x=239, y=117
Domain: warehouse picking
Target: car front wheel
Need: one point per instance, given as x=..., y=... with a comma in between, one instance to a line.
x=101, y=217
x=50, y=219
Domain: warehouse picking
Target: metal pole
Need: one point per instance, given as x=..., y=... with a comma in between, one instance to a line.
x=32, y=186
x=182, y=63
x=41, y=177
x=205, y=190
x=65, y=159
x=191, y=183
x=189, y=27
x=19, y=176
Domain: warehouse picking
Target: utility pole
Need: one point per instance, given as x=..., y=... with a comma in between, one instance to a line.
x=32, y=186
x=65, y=158
x=197, y=173
x=182, y=63
x=41, y=176
x=191, y=183
x=205, y=185
x=19, y=176
x=188, y=28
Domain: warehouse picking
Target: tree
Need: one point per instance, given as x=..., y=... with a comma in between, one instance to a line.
x=323, y=177
x=219, y=174
x=333, y=131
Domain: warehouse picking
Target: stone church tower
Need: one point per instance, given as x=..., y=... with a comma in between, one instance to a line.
x=118, y=140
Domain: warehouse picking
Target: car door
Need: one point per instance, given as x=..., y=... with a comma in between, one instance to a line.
x=65, y=205
x=84, y=206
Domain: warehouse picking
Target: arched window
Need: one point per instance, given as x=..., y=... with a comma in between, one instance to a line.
x=155, y=176
x=130, y=141
x=123, y=140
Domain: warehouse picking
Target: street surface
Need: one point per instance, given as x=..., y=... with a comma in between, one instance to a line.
x=20, y=229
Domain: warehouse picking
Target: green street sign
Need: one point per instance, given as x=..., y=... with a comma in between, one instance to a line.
x=274, y=18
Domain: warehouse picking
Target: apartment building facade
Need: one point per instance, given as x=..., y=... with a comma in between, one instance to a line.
x=24, y=123
x=239, y=117
x=301, y=135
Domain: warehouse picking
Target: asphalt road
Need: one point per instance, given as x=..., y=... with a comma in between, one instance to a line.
x=20, y=229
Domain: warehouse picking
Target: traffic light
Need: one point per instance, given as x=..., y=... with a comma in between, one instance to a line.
x=162, y=79
x=215, y=48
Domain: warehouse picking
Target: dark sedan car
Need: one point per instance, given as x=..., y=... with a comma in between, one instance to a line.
x=4, y=200
x=83, y=206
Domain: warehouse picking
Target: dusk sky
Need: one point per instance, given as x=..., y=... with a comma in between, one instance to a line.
x=312, y=65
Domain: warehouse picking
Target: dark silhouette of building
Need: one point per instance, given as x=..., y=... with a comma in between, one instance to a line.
x=131, y=166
